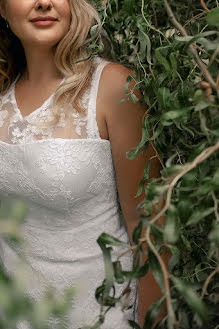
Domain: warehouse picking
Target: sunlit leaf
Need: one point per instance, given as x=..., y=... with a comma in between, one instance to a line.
x=171, y=227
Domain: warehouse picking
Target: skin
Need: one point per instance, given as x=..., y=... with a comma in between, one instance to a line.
x=119, y=122
x=41, y=76
x=124, y=122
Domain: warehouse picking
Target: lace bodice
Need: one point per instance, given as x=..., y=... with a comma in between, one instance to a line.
x=16, y=129
x=65, y=176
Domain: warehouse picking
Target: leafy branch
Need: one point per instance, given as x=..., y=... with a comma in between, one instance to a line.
x=183, y=31
x=189, y=166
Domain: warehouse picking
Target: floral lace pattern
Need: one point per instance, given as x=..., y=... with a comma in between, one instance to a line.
x=69, y=186
x=16, y=129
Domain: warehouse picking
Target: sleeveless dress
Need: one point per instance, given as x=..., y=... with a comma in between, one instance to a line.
x=65, y=176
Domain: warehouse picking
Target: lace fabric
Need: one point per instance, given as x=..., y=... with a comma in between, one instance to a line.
x=16, y=129
x=65, y=175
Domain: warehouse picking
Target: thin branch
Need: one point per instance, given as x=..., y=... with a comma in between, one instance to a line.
x=152, y=72
x=127, y=251
x=154, y=13
x=157, y=155
x=148, y=23
x=207, y=281
x=213, y=57
x=170, y=310
x=217, y=82
x=139, y=61
x=200, y=158
x=204, y=6
x=192, y=19
x=182, y=30
x=189, y=166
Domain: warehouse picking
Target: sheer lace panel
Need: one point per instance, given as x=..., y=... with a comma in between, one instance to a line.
x=16, y=129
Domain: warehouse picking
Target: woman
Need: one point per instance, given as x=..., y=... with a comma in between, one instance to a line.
x=63, y=143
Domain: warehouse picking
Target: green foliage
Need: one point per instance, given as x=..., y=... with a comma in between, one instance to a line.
x=184, y=122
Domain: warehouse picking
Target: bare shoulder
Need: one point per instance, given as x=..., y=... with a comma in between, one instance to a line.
x=114, y=77
x=116, y=115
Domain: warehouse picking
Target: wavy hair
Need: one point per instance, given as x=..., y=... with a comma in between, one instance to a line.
x=72, y=58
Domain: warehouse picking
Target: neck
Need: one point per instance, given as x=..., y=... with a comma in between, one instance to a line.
x=40, y=66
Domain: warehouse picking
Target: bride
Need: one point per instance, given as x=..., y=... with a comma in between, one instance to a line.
x=63, y=143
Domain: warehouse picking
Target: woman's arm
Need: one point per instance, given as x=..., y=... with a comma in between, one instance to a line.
x=124, y=125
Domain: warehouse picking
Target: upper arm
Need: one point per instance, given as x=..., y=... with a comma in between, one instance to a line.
x=124, y=125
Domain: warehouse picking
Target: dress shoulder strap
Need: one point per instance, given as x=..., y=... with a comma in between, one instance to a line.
x=92, y=128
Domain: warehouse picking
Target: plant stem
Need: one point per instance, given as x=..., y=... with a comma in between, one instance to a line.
x=182, y=30
x=207, y=281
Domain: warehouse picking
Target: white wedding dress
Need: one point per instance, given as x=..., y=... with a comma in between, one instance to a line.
x=65, y=175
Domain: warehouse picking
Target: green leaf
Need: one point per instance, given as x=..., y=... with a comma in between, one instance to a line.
x=157, y=233
x=140, y=188
x=175, y=114
x=109, y=271
x=173, y=62
x=163, y=94
x=185, y=207
x=171, y=226
x=145, y=45
x=162, y=60
x=93, y=30
x=137, y=272
x=204, y=189
x=118, y=272
x=134, y=98
x=157, y=132
x=191, y=39
x=137, y=232
x=201, y=275
x=212, y=17
x=198, y=215
x=203, y=104
x=102, y=295
x=186, y=242
x=142, y=271
x=144, y=179
x=175, y=258
x=208, y=44
x=106, y=238
x=143, y=143
x=156, y=269
x=191, y=297
x=126, y=86
x=153, y=312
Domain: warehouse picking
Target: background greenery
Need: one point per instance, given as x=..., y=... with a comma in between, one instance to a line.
x=175, y=56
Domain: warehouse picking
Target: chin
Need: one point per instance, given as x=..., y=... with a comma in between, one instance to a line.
x=47, y=40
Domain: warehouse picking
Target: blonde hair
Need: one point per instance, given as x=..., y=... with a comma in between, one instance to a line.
x=71, y=58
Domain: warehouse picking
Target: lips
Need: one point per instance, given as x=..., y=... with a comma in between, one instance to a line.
x=43, y=18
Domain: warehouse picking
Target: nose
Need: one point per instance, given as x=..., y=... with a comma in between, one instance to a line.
x=43, y=5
